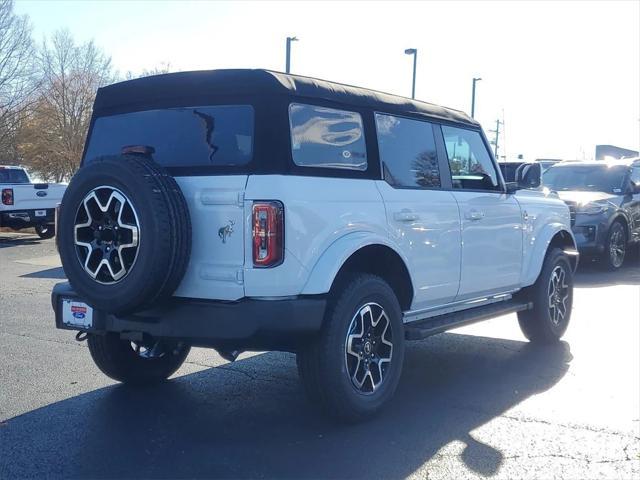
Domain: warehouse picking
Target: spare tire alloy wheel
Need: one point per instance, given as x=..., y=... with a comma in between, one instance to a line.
x=106, y=234
x=368, y=348
x=111, y=264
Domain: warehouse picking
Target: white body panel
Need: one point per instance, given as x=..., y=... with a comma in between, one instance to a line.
x=217, y=257
x=450, y=257
x=491, y=243
x=425, y=225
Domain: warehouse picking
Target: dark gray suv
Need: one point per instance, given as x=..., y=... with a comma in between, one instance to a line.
x=604, y=201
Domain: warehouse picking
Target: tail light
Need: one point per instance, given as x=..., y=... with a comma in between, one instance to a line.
x=7, y=196
x=268, y=234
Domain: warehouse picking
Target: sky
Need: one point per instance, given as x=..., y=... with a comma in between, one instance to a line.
x=564, y=76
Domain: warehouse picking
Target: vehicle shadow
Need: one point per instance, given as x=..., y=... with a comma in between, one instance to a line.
x=250, y=419
x=55, y=273
x=7, y=241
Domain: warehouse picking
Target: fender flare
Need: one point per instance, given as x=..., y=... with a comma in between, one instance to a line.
x=538, y=253
x=333, y=258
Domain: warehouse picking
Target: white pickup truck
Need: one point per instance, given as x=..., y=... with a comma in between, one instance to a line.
x=25, y=204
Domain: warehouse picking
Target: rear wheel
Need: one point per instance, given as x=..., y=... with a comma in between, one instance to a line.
x=552, y=298
x=352, y=369
x=615, y=249
x=138, y=363
x=45, y=230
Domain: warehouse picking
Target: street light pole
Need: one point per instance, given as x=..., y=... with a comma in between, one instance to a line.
x=414, y=52
x=288, y=59
x=473, y=96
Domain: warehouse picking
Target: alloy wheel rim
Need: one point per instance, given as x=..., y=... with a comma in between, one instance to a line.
x=144, y=350
x=558, y=294
x=617, y=248
x=106, y=235
x=368, y=348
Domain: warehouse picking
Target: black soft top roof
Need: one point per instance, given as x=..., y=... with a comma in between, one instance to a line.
x=200, y=87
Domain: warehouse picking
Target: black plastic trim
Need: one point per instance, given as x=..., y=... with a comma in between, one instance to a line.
x=247, y=324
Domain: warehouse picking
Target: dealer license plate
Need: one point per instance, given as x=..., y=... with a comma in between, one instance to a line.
x=76, y=314
x=41, y=213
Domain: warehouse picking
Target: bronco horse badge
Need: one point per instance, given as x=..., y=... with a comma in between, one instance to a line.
x=226, y=231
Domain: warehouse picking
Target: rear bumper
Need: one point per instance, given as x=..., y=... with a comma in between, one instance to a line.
x=24, y=218
x=248, y=324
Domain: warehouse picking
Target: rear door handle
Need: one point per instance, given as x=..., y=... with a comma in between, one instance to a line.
x=474, y=215
x=405, y=216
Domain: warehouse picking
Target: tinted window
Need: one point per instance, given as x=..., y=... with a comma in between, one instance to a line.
x=13, y=175
x=635, y=175
x=328, y=138
x=408, y=152
x=595, y=178
x=471, y=165
x=191, y=136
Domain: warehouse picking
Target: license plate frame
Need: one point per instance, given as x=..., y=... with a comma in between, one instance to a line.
x=75, y=314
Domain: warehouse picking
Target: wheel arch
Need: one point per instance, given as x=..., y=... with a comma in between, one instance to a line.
x=361, y=252
x=553, y=236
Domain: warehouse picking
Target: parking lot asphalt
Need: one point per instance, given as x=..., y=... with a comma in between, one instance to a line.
x=479, y=402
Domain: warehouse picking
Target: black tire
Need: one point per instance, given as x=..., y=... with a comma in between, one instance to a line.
x=615, y=248
x=544, y=323
x=119, y=360
x=159, y=260
x=45, y=230
x=323, y=364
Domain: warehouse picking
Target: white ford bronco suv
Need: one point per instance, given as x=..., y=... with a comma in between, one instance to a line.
x=253, y=210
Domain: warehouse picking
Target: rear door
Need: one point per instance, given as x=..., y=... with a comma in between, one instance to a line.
x=491, y=219
x=423, y=218
x=201, y=147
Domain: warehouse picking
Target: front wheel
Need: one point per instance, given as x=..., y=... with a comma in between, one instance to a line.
x=45, y=230
x=138, y=363
x=616, y=247
x=352, y=369
x=552, y=298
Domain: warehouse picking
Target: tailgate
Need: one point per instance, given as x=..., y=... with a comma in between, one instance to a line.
x=216, y=206
x=36, y=196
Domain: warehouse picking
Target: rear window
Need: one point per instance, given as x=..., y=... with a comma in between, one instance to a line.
x=190, y=136
x=13, y=175
x=327, y=138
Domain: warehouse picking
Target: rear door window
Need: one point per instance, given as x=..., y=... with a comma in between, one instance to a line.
x=191, y=136
x=327, y=138
x=408, y=152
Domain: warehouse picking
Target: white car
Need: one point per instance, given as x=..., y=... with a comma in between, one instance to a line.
x=25, y=204
x=253, y=210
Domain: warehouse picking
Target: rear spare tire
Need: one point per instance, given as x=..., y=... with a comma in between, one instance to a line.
x=124, y=233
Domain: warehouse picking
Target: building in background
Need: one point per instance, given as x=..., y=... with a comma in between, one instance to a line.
x=604, y=151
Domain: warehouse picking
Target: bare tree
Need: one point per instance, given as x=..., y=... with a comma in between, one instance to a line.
x=52, y=139
x=17, y=80
x=164, y=67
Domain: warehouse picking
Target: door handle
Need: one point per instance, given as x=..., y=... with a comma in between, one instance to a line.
x=405, y=216
x=474, y=215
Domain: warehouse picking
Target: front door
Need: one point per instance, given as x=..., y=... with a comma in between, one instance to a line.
x=491, y=219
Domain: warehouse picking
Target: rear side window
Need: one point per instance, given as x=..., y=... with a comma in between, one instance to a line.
x=408, y=152
x=471, y=165
x=13, y=175
x=327, y=138
x=190, y=136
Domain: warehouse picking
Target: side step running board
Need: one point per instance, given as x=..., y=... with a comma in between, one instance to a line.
x=431, y=326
